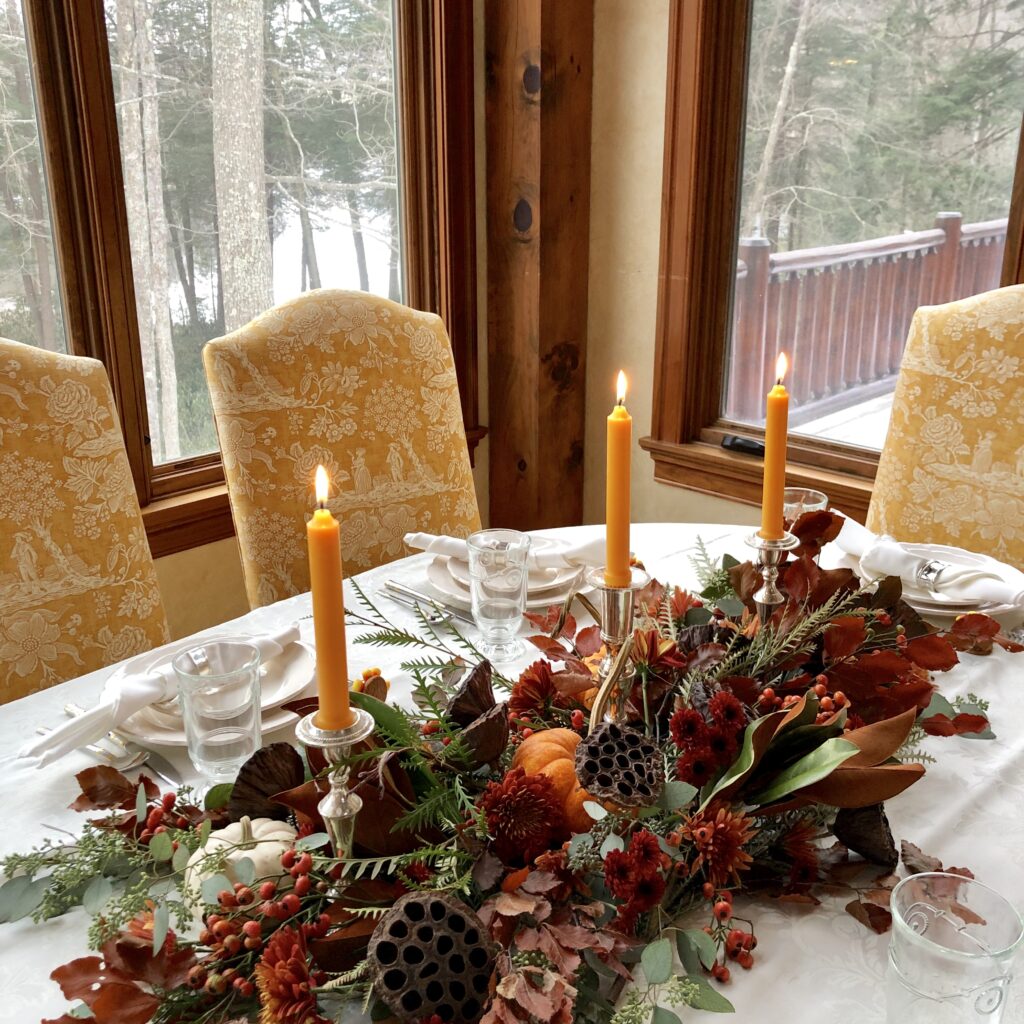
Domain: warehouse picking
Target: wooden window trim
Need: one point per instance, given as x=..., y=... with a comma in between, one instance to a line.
x=184, y=504
x=709, y=44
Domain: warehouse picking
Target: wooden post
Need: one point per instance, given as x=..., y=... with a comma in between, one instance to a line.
x=539, y=74
x=949, y=257
x=748, y=349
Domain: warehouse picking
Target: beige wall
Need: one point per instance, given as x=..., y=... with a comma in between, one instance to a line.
x=202, y=587
x=630, y=63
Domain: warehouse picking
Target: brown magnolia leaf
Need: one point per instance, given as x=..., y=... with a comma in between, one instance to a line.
x=474, y=696
x=571, y=682
x=843, y=637
x=860, y=787
x=105, y=788
x=303, y=801
x=932, y=652
x=916, y=860
x=880, y=740
x=878, y=919
x=376, y=687
x=271, y=770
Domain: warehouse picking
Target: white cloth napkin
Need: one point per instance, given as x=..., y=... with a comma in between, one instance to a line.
x=559, y=554
x=958, y=581
x=131, y=693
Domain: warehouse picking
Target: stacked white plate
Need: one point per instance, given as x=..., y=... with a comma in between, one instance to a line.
x=282, y=678
x=449, y=577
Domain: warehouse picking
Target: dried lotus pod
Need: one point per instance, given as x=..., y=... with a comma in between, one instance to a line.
x=430, y=954
x=620, y=764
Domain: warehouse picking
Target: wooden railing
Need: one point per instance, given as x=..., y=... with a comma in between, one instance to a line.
x=842, y=312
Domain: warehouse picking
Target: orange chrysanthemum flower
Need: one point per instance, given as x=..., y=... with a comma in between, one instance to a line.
x=654, y=652
x=282, y=978
x=719, y=834
x=535, y=692
x=524, y=816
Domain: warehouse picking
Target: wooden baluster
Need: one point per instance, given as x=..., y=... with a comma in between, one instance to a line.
x=749, y=343
x=869, y=338
x=839, y=326
x=904, y=268
x=889, y=270
x=948, y=258
x=813, y=332
x=855, y=324
x=766, y=361
x=787, y=337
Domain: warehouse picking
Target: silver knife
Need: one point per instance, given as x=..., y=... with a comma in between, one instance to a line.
x=160, y=765
x=400, y=591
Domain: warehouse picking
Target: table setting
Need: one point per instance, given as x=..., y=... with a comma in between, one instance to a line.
x=595, y=773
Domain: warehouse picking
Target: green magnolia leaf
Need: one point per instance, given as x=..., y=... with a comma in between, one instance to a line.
x=161, y=922
x=244, y=870
x=656, y=960
x=613, y=842
x=213, y=885
x=29, y=899
x=708, y=997
x=180, y=858
x=217, y=797
x=663, y=1016
x=160, y=847
x=743, y=763
x=676, y=795
x=204, y=831
x=580, y=843
x=10, y=893
x=96, y=894
x=313, y=842
x=140, y=804
x=595, y=810
x=815, y=766
x=703, y=944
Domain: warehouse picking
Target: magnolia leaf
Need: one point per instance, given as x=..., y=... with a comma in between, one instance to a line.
x=703, y=944
x=213, y=885
x=217, y=797
x=244, y=870
x=161, y=922
x=180, y=859
x=613, y=842
x=96, y=894
x=809, y=769
x=708, y=997
x=663, y=1016
x=676, y=795
x=313, y=841
x=656, y=961
x=594, y=809
x=756, y=738
x=160, y=847
x=140, y=804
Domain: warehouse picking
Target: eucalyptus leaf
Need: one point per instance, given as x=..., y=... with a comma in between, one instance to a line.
x=612, y=842
x=732, y=606
x=663, y=1016
x=676, y=795
x=594, y=809
x=217, y=797
x=180, y=859
x=697, y=616
x=10, y=892
x=703, y=944
x=160, y=847
x=816, y=765
x=244, y=870
x=140, y=803
x=204, y=831
x=313, y=842
x=96, y=894
x=579, y=843
x=80, y=1012
x=689, y=957
x=213, y=885
x=161, y=922
x=656, y=960
x=938, y=706
x=29, y=899
x=708, y=997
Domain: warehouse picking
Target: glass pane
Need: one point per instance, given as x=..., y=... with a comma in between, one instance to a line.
x=867, y=123
x=30, y=309
x=260, y=160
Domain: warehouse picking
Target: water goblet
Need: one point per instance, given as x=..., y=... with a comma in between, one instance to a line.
x=497, y=586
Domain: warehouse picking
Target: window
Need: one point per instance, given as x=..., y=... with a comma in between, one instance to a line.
x=828, y=168
x=211, y=158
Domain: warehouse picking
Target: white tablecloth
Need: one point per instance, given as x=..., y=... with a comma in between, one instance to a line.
x=818, y=965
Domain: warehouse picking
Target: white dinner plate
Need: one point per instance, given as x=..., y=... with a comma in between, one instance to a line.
x=153, y=735
x=538, y=579
x=452, y=591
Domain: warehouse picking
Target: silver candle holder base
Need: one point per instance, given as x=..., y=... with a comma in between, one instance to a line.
x=767, y=561
x=340, y=805
x=614, y=673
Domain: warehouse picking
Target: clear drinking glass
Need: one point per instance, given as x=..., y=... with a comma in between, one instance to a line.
x=219, y=684
x=953, y=942
x=798, y=500
x=497, y=586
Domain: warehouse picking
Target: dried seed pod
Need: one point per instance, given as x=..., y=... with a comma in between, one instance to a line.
x=430, y=954
x=620, y=764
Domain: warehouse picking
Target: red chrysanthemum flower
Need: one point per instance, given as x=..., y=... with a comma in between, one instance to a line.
x=727, y=711
x=645, y=853
x=696, y=766
x=648, y=893
x=723, y=744
x=620, y=874
x=283, y=981
x=523, y=815
x=718, y=833
x=687, y=728
x=535, y=692
x=801, y=849
x=625, y=920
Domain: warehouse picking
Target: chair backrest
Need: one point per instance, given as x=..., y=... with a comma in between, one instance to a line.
x=77, y=585
x=361, y=384
x=952, y=469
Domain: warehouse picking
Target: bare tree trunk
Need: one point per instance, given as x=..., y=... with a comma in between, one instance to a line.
x=360, y=245
x=394, y=284
x=310, y=264
x=236, y=28
x=182, y=263
x=760, y=186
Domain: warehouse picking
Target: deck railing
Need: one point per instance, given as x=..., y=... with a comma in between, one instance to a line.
x=842, y=312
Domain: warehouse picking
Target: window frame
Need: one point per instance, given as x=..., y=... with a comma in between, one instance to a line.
x=709, y=46
x=184, y=503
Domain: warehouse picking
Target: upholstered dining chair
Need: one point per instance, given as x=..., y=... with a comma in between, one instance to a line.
x=952, y=469
x=77, y=585
x=361, y=384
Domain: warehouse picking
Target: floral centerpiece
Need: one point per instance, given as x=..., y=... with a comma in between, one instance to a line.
x=510, y=864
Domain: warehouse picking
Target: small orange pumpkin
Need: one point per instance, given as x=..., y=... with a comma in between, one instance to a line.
x=552, y=752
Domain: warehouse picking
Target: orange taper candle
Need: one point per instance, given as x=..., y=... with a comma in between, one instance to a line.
x=776, y=427
x=323, y=535
x=620, y=443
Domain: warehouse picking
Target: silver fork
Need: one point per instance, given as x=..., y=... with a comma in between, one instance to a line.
x=123, y=763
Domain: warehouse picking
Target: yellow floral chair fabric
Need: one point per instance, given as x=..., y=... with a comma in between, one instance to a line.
x=77, y=585
x=361, y=384
x=952, y=470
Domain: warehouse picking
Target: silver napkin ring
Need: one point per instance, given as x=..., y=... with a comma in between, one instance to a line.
x=929, y=573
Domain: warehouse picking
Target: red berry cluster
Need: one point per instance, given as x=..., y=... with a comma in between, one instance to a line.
x=706, y=747
x=161, y=817
x=635, y=876
x=736, y=944
x=829, y=701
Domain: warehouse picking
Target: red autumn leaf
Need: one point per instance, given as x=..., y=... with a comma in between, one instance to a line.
x=648, y=599
x=798, y=578
x=931, y=652
x=976, y=633
x=916, y=861
x=572, y=682
x=829, y=582
x=878, y=919
x=547, y=622
x=105, y=788
x=816, y=529
x=64, y=1018
x=552, y=648
x=123, y=1004
x=843, y=637
x=744, y=688
x=134, y=955
x=588, y=641
x=943, y=725
x=745, y=581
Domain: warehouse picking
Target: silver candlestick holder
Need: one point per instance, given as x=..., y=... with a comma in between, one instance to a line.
x=614, y=673
x=767, y=561
x=339, y=805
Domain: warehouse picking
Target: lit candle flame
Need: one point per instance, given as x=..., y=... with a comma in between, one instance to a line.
x=781, y=366
x=621, y=389
x=321, y=486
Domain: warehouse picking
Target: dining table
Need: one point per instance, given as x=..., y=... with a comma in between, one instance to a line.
x=813, y=963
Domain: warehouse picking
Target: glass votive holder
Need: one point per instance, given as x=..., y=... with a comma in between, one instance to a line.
x=951, y=952
x=798, y=500
x=219, y=689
